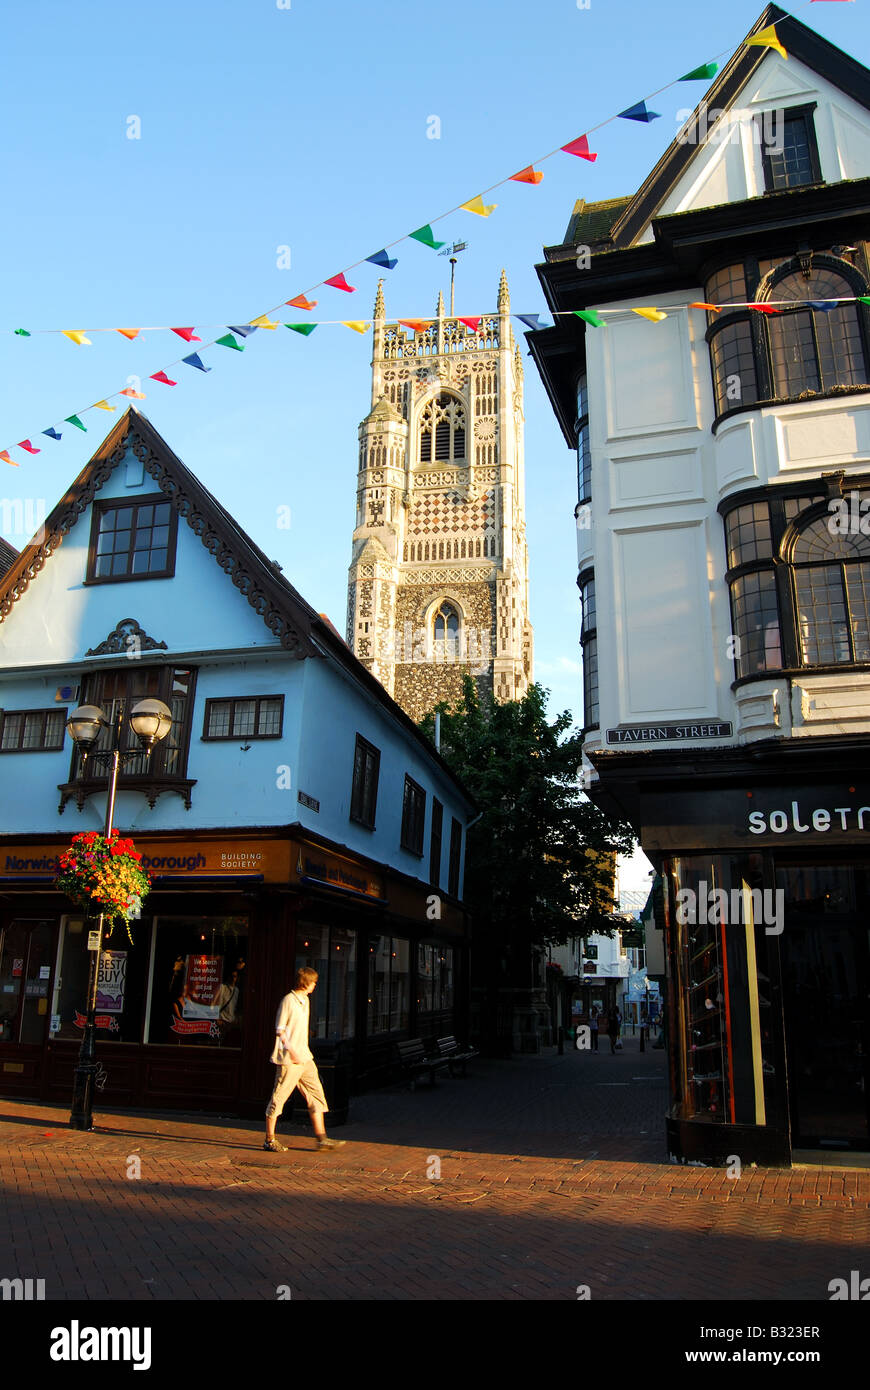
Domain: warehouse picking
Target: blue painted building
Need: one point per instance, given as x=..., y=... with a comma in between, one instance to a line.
x=293, y=815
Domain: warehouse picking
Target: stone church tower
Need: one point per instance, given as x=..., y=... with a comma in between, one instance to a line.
x=438, y=582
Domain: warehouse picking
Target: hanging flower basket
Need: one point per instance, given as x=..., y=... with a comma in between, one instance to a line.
x=104, y=875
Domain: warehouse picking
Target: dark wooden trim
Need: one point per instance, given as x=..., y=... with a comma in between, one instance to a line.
x=42, y=747
x=417, y=800
x=357, y=788
x=101, y=507
x=232, y=701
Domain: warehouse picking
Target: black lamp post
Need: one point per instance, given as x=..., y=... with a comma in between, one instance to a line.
x=151, y=722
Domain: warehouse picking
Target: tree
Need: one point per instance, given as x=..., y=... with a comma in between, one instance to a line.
x=539, y=861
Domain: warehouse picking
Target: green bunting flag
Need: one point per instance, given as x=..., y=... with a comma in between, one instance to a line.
x=74, y=420
x=305, y=328
x=701, y=74
x=590, y=316
x=229, y=341
x=22, y=333
x=425, y=237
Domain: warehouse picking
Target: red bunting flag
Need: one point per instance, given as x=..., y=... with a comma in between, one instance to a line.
x=161, y=376
x=26, y=444
x=580, y=147
x=187, y=334
x=338, y=282
x=4, y=455
x=473, y=324
x=300, y=302
x=528, y=175
x=763, y=308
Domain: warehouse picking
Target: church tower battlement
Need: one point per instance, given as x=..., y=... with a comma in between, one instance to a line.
x=438, y=582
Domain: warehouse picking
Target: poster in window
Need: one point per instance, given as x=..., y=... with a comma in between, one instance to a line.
x=203, y=981
x=111, y=982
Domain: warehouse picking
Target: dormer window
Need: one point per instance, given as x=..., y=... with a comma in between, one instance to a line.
x=132, y=540
x=789, y=152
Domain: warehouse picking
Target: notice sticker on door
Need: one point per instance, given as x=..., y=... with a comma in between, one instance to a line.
x=94, y=940
x=17, y=966
x=44, y=972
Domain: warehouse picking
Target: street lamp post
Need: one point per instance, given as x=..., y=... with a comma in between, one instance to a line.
x=151, y=722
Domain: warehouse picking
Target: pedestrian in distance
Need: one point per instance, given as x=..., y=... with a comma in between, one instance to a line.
x=593, y=1029
x=614, y=1023
x=294, y=1064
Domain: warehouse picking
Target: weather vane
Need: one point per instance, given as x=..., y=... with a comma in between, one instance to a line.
x=452, y=252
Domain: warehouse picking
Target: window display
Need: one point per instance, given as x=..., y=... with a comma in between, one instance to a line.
x=198, y=981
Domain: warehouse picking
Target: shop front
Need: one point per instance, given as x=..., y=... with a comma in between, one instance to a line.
x=186, y=1001
x=767, y=909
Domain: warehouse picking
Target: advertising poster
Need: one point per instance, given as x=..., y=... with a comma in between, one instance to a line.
x=111, y=981
x=203, y=980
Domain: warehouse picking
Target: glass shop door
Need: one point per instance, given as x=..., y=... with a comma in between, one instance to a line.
x=25, y=977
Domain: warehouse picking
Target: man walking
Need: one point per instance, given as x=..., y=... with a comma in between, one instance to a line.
x=294, y=1064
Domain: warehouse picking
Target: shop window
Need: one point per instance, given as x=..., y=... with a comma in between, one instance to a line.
x=413, y=817
x=257, y=717
x=435, y=843
x=121, y=983
x=832, y=593
x=331, y=951
x=364, y=792
x=455, y=857
x=434, y=978
x=198, y=981
x=132, y=540
x=388, y=985
x=32, y=730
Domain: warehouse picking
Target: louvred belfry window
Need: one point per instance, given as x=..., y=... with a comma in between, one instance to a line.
x=442, y=431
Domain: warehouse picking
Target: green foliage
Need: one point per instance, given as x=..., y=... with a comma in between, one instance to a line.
x=538, y=867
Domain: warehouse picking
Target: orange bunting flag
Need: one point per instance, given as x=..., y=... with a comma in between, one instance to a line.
x=767, y=38
x=130, y=333
x=418, y=325
x=529, y=175
x=654, y=315
x=263, y=322
x=4, y=455
x=338, y=282
x=580, y=147
x=479, y=207
x=103, y=405
x=300, y=302
x=358, y=325
x=26, y=444
x=137, y=395
x=473, y=324
x=76, y=335
x=713, y=308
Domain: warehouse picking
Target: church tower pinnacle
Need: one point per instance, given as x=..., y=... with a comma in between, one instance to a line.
x=438, y=581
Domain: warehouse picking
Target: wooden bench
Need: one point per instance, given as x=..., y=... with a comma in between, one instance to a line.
x=414, y=1062
x=450, y=1051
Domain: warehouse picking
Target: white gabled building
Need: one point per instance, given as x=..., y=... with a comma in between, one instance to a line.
x=724, y=569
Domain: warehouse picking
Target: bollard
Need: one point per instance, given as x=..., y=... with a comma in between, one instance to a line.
x=642, y=1036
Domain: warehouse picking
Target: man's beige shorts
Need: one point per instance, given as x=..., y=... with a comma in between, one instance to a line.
x=305, y=1076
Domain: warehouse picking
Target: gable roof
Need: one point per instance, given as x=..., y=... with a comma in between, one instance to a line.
x=590, y=223
x=301, y=630
x=815, y=52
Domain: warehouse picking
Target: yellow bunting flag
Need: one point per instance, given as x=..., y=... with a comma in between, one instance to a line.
x=76, y=335
x=654, y=315
x=263, y=322
x=130, y=333
x=137, y=395
x=358, y=325
x=477, y=205
x=103, y=405
x=767, y=38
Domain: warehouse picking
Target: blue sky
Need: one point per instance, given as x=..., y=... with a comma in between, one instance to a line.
x=264, y=127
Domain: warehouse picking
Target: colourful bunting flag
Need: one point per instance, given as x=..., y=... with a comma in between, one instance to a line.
x=824, y=306
x=228, y=341
x=26, y=444
x=161, y=376
x=590, y=316
x=137, y=395
x=74, y=420
x=52, y=434
x=305, y=328
x=358, y=325
x=130, y=333
x=639, y=113
x=527, y=175
x=263, y=321
x=425, y=237
x=532, y=321
x=699, y=304
x=418, y=325
x=187, y=334
x=473, y=324
x=76, y=335
x=300, y=302
x=701, y=74
x=477, y=206
x=764, y=308
x=243, y=329
x=580, y=147
x=767, y=38
x=381, y=259
x=863, y=299
x=194, y=361
x=102, y=405
x=22, y=333
x=338, y=282
x=654, y=315
x=4, y=455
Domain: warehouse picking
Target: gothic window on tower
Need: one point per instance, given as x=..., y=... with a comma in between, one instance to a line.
x=445, y=632
x=442, y=431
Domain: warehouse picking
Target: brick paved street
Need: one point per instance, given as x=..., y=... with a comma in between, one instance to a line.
x=553, y=1174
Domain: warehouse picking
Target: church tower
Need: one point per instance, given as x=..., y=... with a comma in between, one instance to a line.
x=438, y=582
